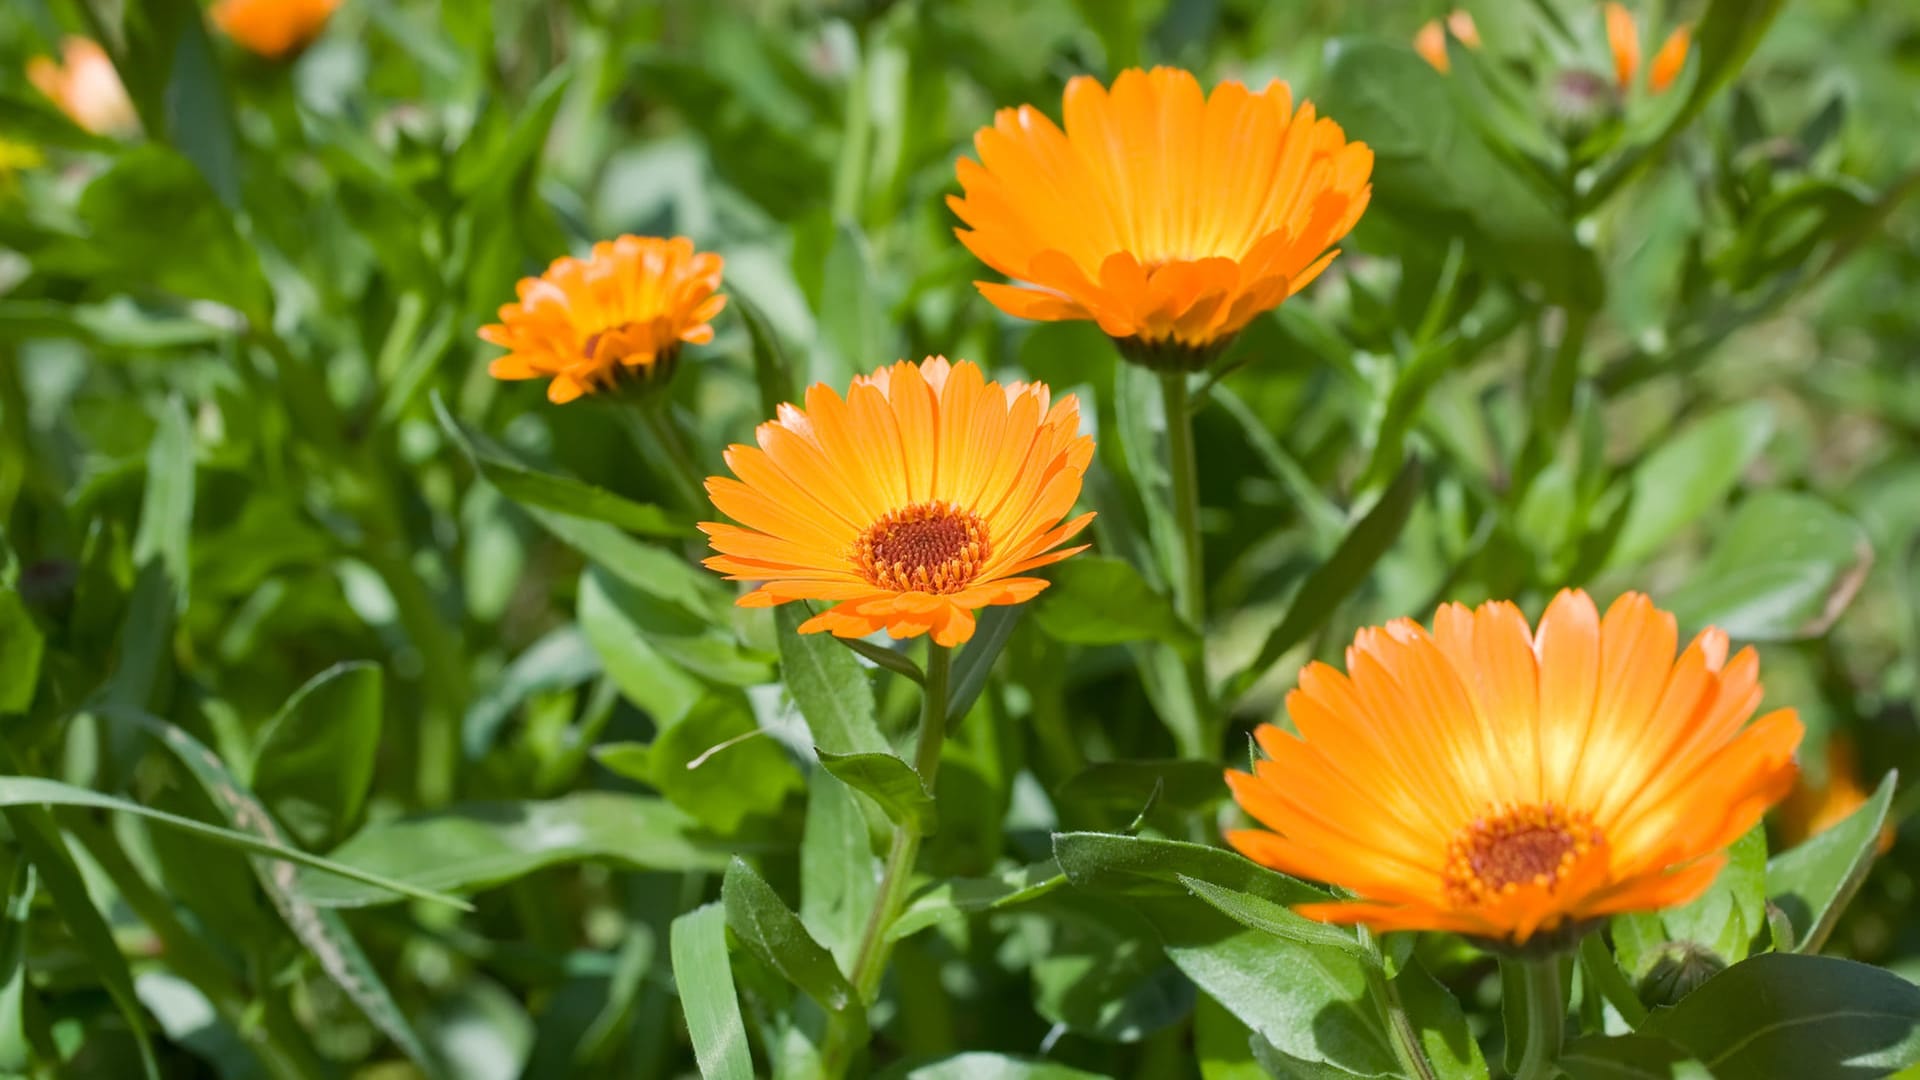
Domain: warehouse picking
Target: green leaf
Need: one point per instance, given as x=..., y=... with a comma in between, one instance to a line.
x=1811, y=884
x=15, y=1056
x=315, y=758
x=1629, y=1057
x=773, y=372
x=653, y=683
x=1440, y=1025
x=1096, y=600
x=1787, y=1016
x=654, y=570
x=1687, y=475
x=980, y=1065
x=839, y=875
x=495, y=163
x=715, y=764
x=888, y=781
x=33, y=790
x=1434, y=170
x=776, y=935
x=1139, y=866
x=1184, y=785
x=199, y=118
x=166, y=505
x=562, y=659
x=114, y=326
x=476, y=846
x=705, y=982
x=828, y=685
x=685, y=637
x=1271, y=918
x=1342, y=573
x=956, y=898
x=976, y=658
x=853, y=314
x=561, y=494
x=21, y=647
x=1727, y=915
x=1099, y=972
x=1220, y=1042
x=323, y=932
x=1782, y=569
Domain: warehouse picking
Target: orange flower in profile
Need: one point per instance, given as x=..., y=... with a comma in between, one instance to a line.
x=1498, y=782
x=1811, y=809
x=274, y=29
x=1169, y=217
x=85, y=87
x=1623, y=40
x=1431, y=41
x=620, y=314
x=917, y=499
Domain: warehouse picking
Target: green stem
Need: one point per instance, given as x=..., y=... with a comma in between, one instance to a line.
x=870, y=962
x=658, y=432
x=1546, y=1017
x=1189, y=593
x=850, y=176
x=1386, y=997
x=1551, y=389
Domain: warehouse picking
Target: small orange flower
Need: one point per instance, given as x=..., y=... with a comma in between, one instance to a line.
x=85, y=87
x=1623, y=39
x=1810, y=809
x=911, y=503
x=1169, y=217
x=1431, y=41
x=274, y=29
x=1498, y=782
x=621, y=313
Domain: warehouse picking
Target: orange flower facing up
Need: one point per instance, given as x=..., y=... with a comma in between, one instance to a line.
x=274, y=29
x=620, y=314
x=1169, y=217
x=85, y=87
x=1503, y=783
x=1623, y=40
x=917, y=499
x=1431, y=41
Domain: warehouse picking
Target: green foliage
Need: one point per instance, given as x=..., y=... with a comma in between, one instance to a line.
x=283, y=572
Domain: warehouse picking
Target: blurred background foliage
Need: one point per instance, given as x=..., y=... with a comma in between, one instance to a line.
x=275, y=542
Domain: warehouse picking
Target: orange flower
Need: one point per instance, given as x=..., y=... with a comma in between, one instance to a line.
x=910, y=504
x=1431, y=41
x=621, y=313
x=85, y=87
x=1623, y=39
x=1499, y=782
x=274, y=29
x=1169, y=217
x=1810, y=810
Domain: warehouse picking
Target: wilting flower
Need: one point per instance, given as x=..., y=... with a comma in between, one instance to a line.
x=1498, y=782
x=1169, y=217
x=1623, y=40
x=619, y=315
x=274, y=29
x=85, y=87
x=916, y=500
x=1811, y=809
x=1431, y=41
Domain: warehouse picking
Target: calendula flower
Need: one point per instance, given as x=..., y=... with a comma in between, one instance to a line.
x=1168, y=216
x=619, y=315
x=1811, y=809
x=1431, y=41
x=274, y=29
x=919, y=498
x=1503, y=783
x=85, y=87
x=1623, y=40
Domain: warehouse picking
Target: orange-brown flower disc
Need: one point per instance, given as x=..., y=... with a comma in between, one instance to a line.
x=622, y=313
x=1168, y=216
x=1496, y=781
x=919, y=498
x=274, y=29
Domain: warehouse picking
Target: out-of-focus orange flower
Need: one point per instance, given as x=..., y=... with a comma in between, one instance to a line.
x=85, y=87
x=1811, y=809
x=620, y=314
x=1500, y=782
x=918, y=499
x=1623, y=38
x=1168, y=216
x=274, y=29
x=1431, y=41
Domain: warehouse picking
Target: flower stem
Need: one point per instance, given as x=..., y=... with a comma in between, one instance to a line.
x=1401, y=1034
x=1189, y=594
x=659, y=438
x=870, y=962
x=1546, y=1017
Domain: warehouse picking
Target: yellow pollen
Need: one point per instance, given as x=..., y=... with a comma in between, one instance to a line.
x=1525, y=845
x=930, y=547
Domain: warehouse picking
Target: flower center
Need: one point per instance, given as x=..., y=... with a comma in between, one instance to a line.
x=932, y=547
x=1527, y=845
